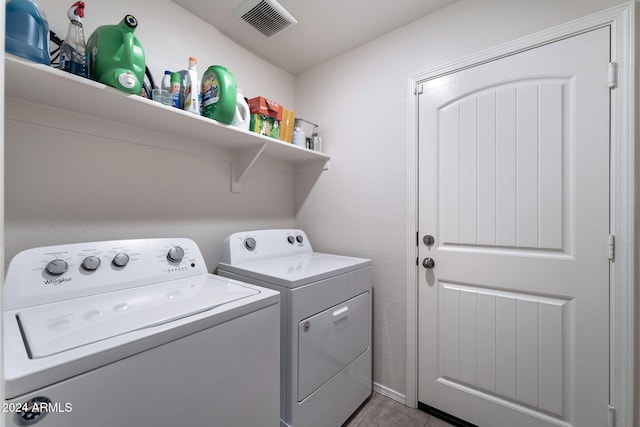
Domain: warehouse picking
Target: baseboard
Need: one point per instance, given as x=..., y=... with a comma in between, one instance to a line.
x=391, y=394
x=454, y=421
x=401, y=398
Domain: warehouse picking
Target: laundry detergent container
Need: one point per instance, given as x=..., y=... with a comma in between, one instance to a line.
x=116, y=57
x=27, y=31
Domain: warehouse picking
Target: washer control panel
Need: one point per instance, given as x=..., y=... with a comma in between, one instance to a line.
x=247, y=246
x=54, y=273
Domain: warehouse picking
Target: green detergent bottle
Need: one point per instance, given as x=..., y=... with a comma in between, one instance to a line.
x=219, y=94
x=116, y=57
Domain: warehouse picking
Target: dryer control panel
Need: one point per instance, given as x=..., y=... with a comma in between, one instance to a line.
x=55, y=273
x=248, y=246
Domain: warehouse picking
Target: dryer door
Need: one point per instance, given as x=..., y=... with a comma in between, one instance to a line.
x=330, y=340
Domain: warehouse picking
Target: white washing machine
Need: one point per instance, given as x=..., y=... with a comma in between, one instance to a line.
x=136, y=333
x=326, y=321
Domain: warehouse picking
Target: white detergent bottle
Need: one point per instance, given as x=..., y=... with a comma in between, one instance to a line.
x=191, y=101
x=242, y=116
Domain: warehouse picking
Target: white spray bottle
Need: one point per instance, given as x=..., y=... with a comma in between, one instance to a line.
x=191, y=101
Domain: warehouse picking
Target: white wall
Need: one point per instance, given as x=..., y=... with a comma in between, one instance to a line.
x=360, y=99
x=101, y=181
x=65, y=185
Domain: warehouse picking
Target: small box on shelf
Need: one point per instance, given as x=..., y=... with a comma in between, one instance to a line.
x=286, y=125
x=265, y=116
x=264, y=125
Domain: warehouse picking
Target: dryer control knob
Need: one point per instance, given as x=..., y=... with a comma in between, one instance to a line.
x=250, y=243
x=56, y=267
x=175, y=254
x=121, y=259
x=291, y=239
x=91, y=263
x=299, y=238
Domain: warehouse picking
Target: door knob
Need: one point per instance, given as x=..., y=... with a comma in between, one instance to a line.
x=428, y=262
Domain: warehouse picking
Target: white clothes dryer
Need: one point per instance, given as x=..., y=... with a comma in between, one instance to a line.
x=326, y=321
x=136, y=333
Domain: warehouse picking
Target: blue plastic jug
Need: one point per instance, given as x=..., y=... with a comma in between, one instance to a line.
x=27, y=31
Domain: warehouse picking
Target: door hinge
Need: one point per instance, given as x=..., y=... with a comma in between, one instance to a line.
x=613, y=75
x=418, y=89
x=612, y=246
x=611, y=416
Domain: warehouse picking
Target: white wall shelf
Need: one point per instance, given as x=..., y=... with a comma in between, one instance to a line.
x=37, y=83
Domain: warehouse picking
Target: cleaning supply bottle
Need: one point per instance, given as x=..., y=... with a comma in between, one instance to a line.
x=183, y=87
x=72, y=50
x=242, y=116
x=175, y=90
x=116, y=57
x=299, y=138
x=191, y=102
x=166, y=81
x=219, y=94
x=26, y=31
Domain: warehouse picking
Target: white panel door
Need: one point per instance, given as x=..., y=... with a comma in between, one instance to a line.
x=514, y=187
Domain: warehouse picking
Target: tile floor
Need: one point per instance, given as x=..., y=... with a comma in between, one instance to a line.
x=380, y=411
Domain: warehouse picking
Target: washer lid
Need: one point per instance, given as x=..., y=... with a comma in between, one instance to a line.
x=53, y=328
x=298, y=270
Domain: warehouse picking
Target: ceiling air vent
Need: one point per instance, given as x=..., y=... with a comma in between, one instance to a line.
x=266, y=16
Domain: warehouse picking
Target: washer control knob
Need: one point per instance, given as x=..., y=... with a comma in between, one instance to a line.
x=175, y=254
x=56, y=267
x=121, y=259
x=91, y=263
x=250, y=243
x=299, y=238
x=291, y=239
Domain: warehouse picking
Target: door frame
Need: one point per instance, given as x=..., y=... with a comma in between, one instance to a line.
x=623, y=276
